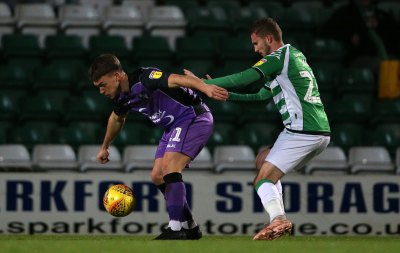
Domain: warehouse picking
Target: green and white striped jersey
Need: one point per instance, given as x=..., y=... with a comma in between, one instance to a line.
x=294, y=90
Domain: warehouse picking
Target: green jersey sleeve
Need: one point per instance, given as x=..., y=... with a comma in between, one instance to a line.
x=270, y=65
x=263, y=94
x=236, y=80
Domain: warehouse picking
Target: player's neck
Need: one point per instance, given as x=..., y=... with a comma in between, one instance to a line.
x=124, y=83
x=276, y=45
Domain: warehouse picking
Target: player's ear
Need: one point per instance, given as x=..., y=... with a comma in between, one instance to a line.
x=269, y=38
x=118, y=75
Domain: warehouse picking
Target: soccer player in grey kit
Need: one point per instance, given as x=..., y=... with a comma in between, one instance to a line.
x=169, y=102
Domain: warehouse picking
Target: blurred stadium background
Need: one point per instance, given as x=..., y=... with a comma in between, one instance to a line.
x=52, y=118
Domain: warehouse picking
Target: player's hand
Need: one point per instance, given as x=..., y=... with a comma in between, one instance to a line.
x=190, y=73
x=215, y=92
x=102, y=156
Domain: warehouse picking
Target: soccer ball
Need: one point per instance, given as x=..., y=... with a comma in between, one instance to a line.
x=119, y=200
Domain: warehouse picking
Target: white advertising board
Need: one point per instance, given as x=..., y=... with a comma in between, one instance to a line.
x=223, y=204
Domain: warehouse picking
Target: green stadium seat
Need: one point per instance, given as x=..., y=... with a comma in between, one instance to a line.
x=334, y=67
x=222, y=135
x=112, y=44
x=390, y=6
x=196, y=48
x=239, y=48
x=48, y=125
x=225, y=4
x=326, y=78
x=273, y=8
x=61, y=95
x=297, y=20
x=231, y=67
x=241, y=18
x=321, y=49
x=347, y=135
x=198, y=67
x=15, y=77
x=383, y=137
x=224, y=112
x=74, y=136
x=80, y=69
x=42, y=107
x=393, y=128
x=152, y=136
x=351, y=110
x=55, y=77
x=151, y=48
x=22, y=50
x=316, y=10
x=90, y=106
x=257, y=135
x=238, y=17
x=386, y=111
x=183, y=3
x=9, y=107
x=293, y=40
x=28, y=136
x=65, y=47
x=263, y=111
x=30, y=64
x=89, y=126
x=18, y=94
x=358, y=80
x=21, y=46
x=202, y=20
x=4, y=126
x=131, y=134
x=224, y=11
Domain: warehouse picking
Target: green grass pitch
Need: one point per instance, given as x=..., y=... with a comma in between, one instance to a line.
x=209, y=244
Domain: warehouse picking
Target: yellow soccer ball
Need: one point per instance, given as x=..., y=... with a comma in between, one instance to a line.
x=119, y=200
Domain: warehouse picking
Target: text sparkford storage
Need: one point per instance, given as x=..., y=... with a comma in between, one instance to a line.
x=224, y=204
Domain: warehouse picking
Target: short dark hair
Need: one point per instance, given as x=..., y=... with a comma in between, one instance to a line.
x=266, y=26
x=102, y=65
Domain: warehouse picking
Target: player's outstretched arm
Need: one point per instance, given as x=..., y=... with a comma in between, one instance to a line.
x=240, y=79
x=190, y=73
x=114, y=125
x=263, y=94
x=193, y=82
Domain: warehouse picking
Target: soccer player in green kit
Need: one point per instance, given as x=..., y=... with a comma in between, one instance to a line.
x=292, y=86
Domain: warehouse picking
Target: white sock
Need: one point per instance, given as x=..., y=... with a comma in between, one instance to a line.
x=175, y=225
x=279, y=187
x=270, y=198
x=189, y=224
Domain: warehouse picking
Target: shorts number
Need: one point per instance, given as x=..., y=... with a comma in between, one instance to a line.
x=308, y=97
x=178, y=131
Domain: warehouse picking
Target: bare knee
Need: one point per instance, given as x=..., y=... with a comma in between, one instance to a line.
x=156, y=176
x=156, y=173
x=269, y=172
x=174, y=162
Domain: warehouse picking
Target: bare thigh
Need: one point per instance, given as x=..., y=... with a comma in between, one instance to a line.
x=169, y=163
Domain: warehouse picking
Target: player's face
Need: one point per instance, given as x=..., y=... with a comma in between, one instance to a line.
x=261, y=45
x=109, y=85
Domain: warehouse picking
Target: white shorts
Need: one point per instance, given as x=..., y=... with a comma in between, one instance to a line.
x=291, y=151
